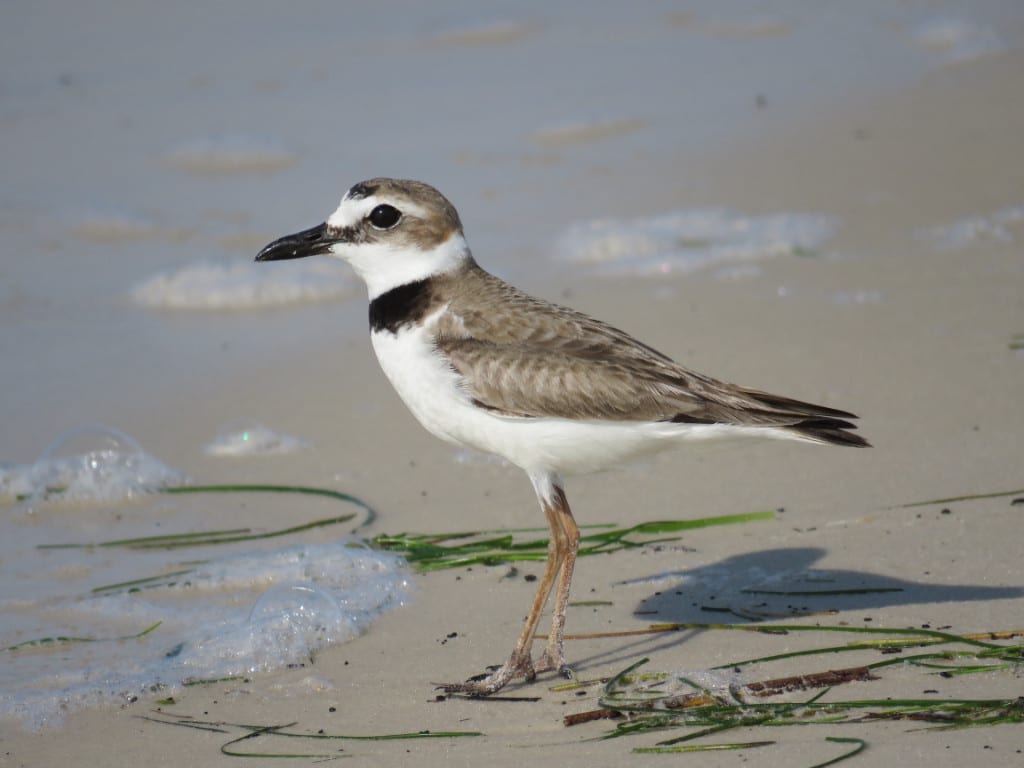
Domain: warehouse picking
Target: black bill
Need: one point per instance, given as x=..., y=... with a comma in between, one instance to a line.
x=309, y=242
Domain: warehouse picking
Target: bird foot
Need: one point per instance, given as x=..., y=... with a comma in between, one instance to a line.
x=553, y=661
x=519, y=665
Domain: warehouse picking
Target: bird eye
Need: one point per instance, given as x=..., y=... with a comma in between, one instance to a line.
x=385, y=216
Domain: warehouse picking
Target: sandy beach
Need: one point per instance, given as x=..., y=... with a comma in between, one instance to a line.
x=907, y=316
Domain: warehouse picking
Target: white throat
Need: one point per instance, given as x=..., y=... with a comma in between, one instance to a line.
x=383, y=266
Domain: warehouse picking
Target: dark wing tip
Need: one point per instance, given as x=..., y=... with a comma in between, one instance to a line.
x=831, y=431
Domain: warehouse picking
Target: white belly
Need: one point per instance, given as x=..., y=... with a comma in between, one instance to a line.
x=432, y=391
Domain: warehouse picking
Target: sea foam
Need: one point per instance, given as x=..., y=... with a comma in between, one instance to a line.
x=689, y=240
x=253, y=439
x=88, y=464
x=244, y=286
x=226, y=618
x=70, y=640
x=994, y=227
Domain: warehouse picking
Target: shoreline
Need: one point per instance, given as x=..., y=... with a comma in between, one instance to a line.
x=926, y=365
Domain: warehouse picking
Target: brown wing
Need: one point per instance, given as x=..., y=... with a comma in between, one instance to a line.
x=564, y=381
x=525, y=357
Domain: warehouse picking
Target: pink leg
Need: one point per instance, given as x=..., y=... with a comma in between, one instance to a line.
x=562, y=549
x=554, y=656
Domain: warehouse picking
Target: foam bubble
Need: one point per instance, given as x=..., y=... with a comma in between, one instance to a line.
x=253, y=439
x=969, y=230
x=293, y=621
x=957, y=39
x=681, y=682
x=244, y=285
x=90, y=463
x=685, y=241
x=865, y=296
x=230, y=617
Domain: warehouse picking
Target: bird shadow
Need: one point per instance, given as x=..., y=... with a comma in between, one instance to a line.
x=784, y=582
x=778, y=584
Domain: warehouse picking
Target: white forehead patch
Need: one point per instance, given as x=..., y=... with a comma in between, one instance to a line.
x=351, y=211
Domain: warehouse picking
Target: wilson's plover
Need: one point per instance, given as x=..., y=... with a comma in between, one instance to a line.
x=553, y=391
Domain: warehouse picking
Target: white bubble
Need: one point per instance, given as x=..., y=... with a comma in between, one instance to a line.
x=229, y=617
x=958, y=39
x=249, y=438
x=89, y=463
x=688, y=240
x=244, y=285
x=995, y=227
x=291, y=622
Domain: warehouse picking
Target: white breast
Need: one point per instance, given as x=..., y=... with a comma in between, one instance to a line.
x=424, y=381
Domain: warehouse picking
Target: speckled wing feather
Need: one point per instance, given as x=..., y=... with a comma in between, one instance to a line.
x=520, y=356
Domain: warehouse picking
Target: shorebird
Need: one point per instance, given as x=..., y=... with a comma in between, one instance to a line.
x=554, y=391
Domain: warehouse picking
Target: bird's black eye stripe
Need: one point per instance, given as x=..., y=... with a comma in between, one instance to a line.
x=384, y=216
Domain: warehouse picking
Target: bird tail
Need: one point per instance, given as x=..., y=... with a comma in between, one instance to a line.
x=812, y=422
x=829, y=430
